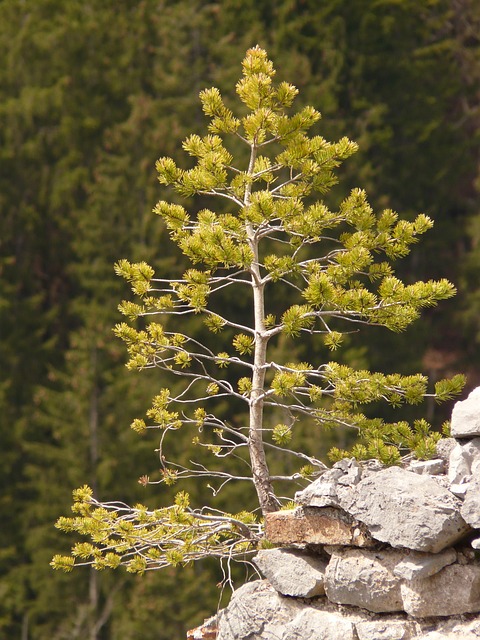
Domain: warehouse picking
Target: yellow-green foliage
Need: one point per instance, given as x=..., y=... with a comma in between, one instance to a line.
x=337, y=269
x=141, y=539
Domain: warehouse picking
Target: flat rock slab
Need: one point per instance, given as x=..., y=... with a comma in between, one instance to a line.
x=408, y=510
x=292, y=572
x=311, y=525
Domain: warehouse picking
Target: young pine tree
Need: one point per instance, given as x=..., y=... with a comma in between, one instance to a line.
x=338, y=266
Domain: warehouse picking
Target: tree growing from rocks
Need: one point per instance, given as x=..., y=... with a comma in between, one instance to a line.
x=335, y=271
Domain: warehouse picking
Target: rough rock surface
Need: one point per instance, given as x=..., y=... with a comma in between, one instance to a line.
x=454, y=590
x=408, y=510
x=257, y=612
x=430, y=467
x=365, y=578
x=401, y=542
x=207, y=631
x=400, y=507
x=458, y=465
x=388, y=630
x=464, y=460
x=423, y=565
x=292, y=572
x=333, y=487
x=454, y=630
x=470, y=508
x=315, y=526
x=466, y=416
x=319, y=625
x=282, y=618
x=444, y=448
x=460, y=489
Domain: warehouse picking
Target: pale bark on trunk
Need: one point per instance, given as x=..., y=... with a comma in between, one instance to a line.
x=260, y=472
x=261, y=475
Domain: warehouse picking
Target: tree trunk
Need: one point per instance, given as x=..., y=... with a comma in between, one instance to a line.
x=261, y=475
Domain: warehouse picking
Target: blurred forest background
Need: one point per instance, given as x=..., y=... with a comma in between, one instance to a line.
x=91, y=94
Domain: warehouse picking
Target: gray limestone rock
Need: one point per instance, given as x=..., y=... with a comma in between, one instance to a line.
x=458, y=465
x=419, y=587
x=387, y=630
x=292, y=572
x=473, y=447
x=256, y=611
x=466, y=416
x=422, y=565
x=364, y=578
x=464, y=460
x=407, y=510
x=319, y=625
x=442, y=481
x=430, y=467
x=460, y=490
x=322, y=492
x=470, y=508
x=351, y=468
x=453, y=630
x=454, y=590
x=465, y=556
x=328, y=489
x=444, y=448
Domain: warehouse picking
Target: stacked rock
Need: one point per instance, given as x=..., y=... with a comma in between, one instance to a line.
x=374, y=553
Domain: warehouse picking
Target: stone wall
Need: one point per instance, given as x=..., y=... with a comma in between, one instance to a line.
x=372, y=553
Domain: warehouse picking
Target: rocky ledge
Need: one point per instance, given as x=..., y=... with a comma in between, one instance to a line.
x=372, y=553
